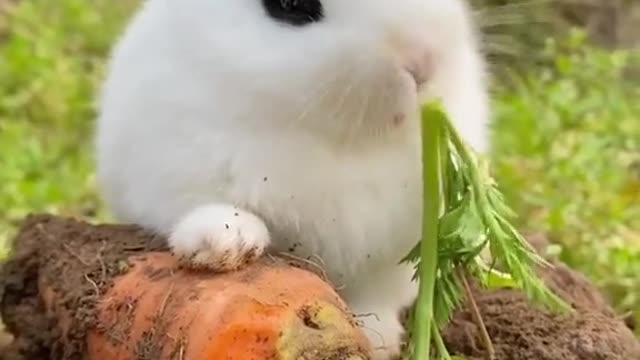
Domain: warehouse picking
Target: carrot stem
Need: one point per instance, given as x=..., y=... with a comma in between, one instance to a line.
x=431, y=175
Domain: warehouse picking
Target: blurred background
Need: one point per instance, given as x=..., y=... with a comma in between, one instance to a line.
x=566, y=130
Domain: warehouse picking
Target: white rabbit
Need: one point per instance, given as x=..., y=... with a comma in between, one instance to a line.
x=236, y=125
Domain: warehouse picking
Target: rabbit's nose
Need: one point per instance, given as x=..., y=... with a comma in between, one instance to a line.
x=420, y=66
x=414, y=55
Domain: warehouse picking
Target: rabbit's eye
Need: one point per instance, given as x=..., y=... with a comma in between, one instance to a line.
x=294, y=12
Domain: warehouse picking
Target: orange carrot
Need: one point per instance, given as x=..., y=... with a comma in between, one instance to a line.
x=267, y=311
x=157, y=310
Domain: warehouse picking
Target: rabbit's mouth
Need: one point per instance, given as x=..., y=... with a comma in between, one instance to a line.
x=418, y=77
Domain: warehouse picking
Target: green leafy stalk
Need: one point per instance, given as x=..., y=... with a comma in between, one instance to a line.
x=507, y=245
x=431, y=132
x=474, y=217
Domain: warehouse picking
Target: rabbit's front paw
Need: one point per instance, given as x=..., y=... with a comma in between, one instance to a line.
x=219, y=238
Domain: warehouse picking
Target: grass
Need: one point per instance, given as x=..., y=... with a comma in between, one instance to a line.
x=52, y=55
x=566, y=153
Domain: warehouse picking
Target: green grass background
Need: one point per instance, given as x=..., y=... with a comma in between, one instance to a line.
x=566, y=132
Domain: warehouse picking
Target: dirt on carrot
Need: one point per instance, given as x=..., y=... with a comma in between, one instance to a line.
x=72, y=289
x=81, y=268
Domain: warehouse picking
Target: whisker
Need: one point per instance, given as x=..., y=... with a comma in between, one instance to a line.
x=343, y=96
x=364, y=111
x=318, y=94
x=355, y=120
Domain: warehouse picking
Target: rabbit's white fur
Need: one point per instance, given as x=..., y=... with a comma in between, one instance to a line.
x=218, y=123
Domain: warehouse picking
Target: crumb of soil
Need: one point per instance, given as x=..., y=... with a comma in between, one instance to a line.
x=5, y=338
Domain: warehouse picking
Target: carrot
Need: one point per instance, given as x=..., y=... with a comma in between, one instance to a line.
x=151, y=308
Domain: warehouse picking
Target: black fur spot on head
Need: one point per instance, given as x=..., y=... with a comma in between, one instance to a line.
x=294, y=12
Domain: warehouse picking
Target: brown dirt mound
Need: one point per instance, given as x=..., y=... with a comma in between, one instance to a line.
x=83, y=265
x=520, y=331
